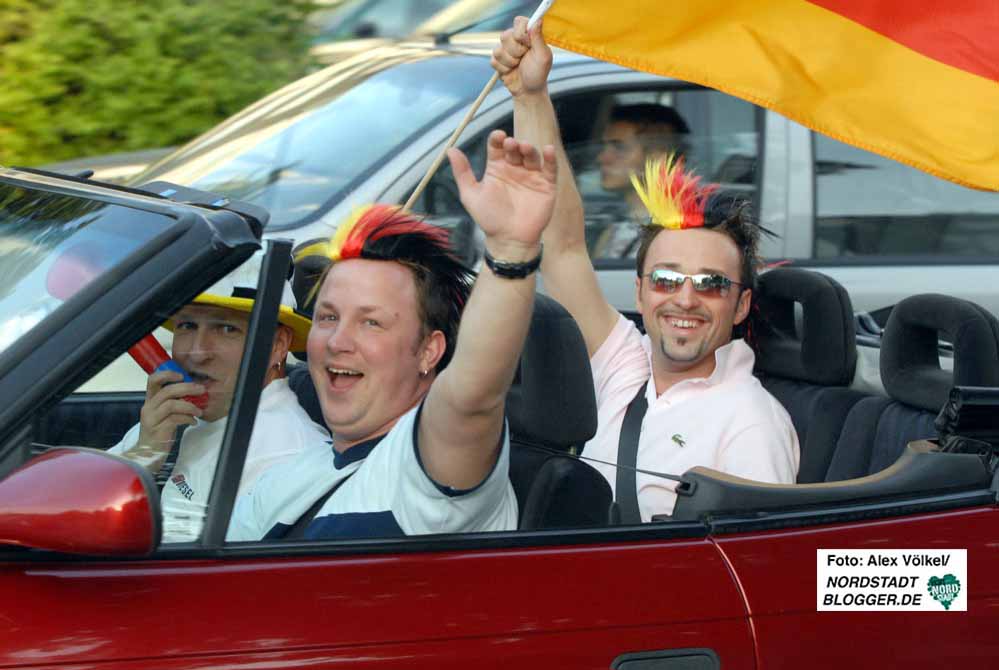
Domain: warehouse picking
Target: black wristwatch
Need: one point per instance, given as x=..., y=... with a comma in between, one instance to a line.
x=508, y=270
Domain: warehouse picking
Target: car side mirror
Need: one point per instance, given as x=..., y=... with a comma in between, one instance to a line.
x=81, y=501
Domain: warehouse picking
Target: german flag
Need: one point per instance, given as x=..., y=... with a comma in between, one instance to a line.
x=914, y=80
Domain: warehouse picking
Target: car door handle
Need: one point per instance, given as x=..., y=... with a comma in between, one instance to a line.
x=668, y=659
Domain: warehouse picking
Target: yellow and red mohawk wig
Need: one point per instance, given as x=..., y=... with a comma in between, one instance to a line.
x=390, y=233
x=674, y=197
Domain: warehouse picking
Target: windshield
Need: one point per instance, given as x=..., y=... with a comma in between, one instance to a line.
x=300, y=152
x=52, y=246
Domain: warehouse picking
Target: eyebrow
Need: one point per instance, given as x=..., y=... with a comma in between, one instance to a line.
x=365, y=309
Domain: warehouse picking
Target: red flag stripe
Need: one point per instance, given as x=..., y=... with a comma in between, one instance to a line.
x=960, y=33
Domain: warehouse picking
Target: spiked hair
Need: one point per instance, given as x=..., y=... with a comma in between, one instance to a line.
x=388, y=233
x=677, y=200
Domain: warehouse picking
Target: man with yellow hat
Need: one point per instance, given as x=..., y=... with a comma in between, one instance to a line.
x=208, y=339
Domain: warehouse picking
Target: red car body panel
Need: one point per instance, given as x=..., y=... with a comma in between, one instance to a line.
x=576, y=607
x=777, y=571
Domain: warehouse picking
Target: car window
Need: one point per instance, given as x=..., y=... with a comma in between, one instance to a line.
x=721, y=144
x=867, y=205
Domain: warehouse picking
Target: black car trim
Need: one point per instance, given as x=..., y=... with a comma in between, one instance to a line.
x=587, y=537
x=246, y=396
x=883, y=509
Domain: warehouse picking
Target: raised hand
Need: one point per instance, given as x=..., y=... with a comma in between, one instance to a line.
x=522, y=59
x=514, y=201
x=165, y=410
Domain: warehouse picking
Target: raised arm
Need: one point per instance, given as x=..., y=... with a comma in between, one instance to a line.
x=461, y=427
x=524, y=61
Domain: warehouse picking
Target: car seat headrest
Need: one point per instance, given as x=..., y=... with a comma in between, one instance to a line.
x=825, y=351
x=552, y=401
x=910, y=359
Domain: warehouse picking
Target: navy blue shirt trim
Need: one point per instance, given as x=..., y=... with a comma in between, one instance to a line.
x=356, y=453
x=451, y=492
x=354, y=525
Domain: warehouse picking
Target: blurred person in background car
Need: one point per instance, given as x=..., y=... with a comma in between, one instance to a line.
x=634, y=134
x=415, y=404
x=696, y=271
x=208, y=339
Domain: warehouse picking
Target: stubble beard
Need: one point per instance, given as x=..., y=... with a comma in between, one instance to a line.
x=676, y=356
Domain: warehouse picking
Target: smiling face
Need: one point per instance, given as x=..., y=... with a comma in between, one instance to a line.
x=686, y=327
x=367, y=348
x=208, y=343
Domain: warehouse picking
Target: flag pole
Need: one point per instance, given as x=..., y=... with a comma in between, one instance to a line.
x=535, y=17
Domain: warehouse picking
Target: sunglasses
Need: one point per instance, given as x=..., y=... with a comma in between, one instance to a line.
x=671, y=281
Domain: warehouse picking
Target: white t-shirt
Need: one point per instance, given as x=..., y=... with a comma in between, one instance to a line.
x=726, y=421
x=281, y=430
x=382, y=491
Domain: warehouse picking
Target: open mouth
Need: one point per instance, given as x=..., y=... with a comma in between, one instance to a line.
x=342, y=379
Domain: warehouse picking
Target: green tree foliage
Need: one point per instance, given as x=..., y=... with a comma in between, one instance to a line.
x=86, y=77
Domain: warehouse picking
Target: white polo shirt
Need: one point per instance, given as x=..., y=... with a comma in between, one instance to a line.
x=726, y=421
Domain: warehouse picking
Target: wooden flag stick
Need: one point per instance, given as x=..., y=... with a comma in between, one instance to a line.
x=451, y=141
x=535, y=17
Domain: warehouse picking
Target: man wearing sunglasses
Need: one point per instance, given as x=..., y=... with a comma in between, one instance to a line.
x=683, y=395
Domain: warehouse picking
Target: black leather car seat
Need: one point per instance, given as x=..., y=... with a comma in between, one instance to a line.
x=551, y=411
x=808, y=369
x=877, y=429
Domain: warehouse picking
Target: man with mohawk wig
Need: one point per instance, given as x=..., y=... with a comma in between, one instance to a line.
x=687, y=385
x=415, y=405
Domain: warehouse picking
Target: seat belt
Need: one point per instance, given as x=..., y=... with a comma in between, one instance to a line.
x=297, y=531
x=163, y=476
x=625, y=487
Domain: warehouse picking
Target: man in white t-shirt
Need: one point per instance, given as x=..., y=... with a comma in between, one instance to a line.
x=208, y=339
x=696, y=267
x=415, y=404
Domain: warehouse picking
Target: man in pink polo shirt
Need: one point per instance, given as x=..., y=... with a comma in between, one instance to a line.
x=696, y=270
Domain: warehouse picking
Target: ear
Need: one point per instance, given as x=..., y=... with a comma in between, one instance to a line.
x=742, y=307
x=432, y=350
x=282, y=342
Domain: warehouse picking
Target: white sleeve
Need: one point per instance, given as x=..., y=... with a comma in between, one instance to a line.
x=421, y=505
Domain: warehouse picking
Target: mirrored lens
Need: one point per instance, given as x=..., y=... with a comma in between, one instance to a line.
x=671, y=281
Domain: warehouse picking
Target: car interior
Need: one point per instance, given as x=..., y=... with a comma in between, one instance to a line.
x=855, y=445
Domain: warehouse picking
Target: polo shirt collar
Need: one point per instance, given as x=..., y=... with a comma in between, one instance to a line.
x=733, y=360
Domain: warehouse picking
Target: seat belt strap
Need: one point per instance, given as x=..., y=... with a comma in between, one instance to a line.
x=626, y=488
x=297, y=531
x=163, y=476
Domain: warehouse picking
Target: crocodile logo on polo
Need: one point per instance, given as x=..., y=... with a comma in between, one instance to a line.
x=944, y=589
x=678, y=438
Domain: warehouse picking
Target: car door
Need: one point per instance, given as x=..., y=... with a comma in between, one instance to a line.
x=778, y=563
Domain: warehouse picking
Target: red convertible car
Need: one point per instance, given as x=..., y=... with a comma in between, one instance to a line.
x=735, y=578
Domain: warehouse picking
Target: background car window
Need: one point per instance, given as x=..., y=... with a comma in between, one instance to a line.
x=298, y=159
x=867, y=205
x=722, y=145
